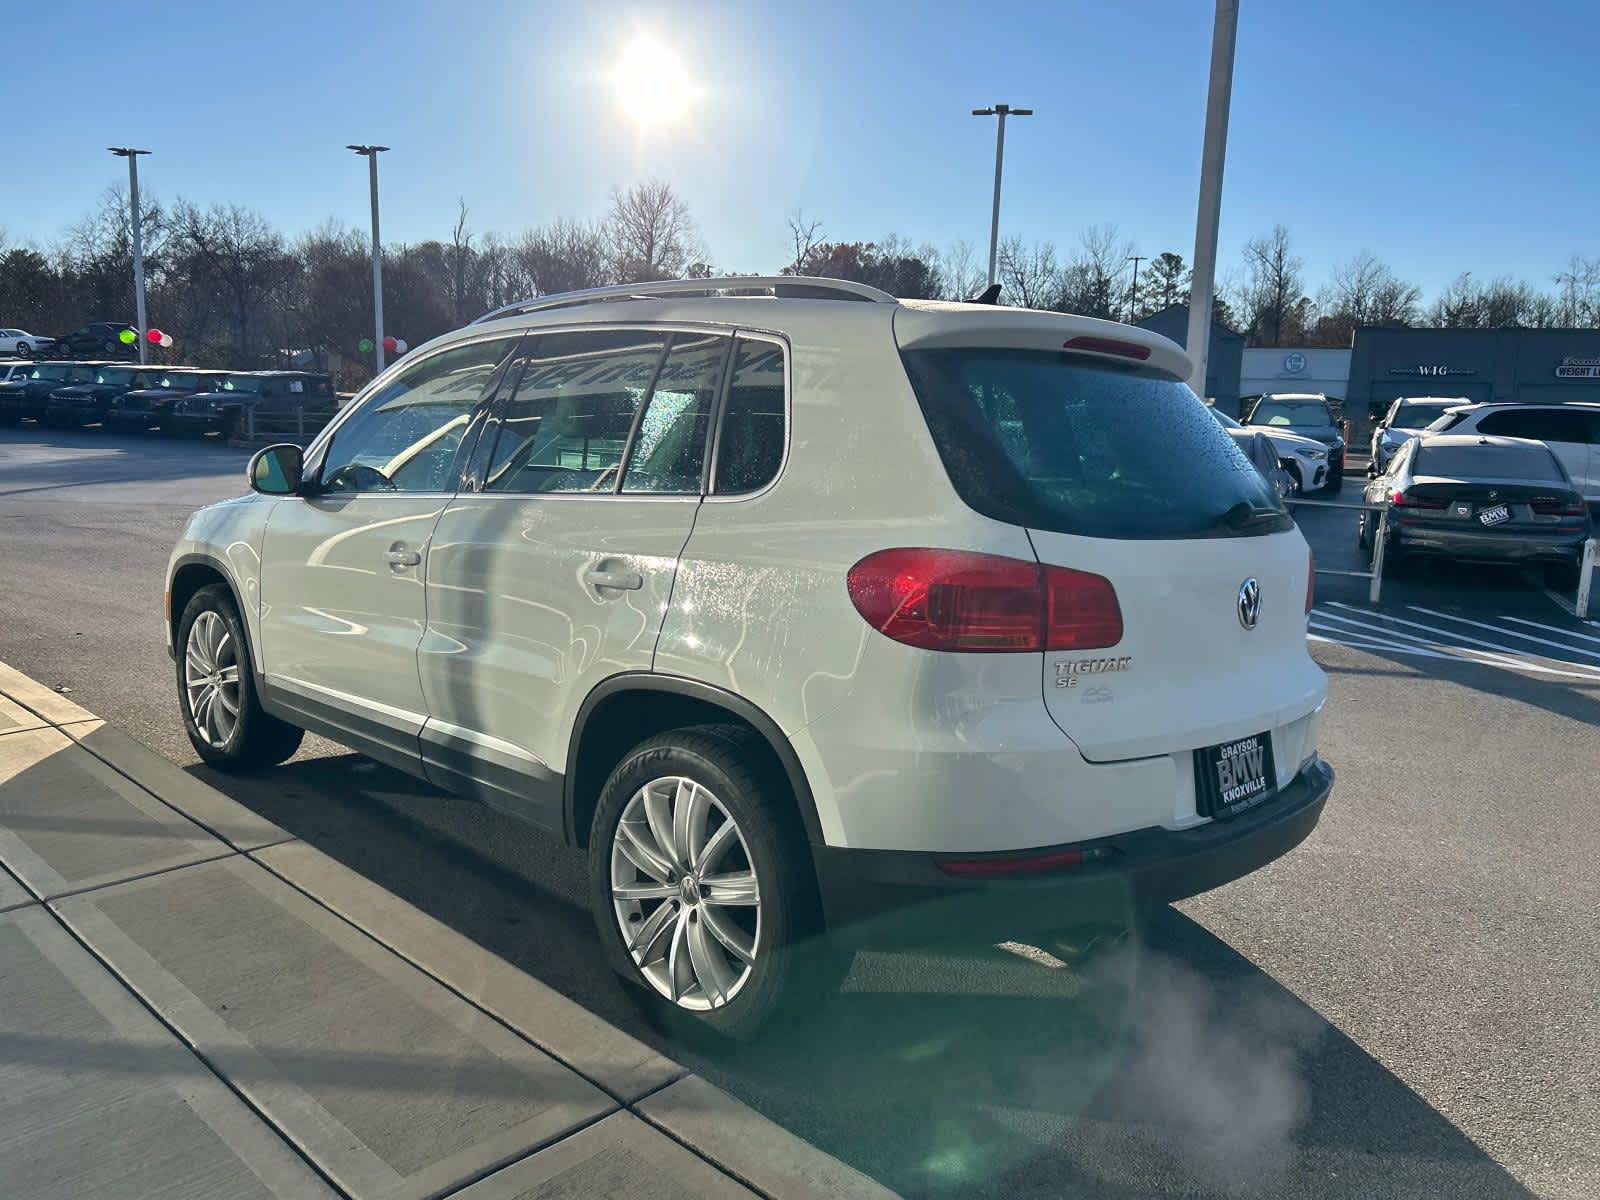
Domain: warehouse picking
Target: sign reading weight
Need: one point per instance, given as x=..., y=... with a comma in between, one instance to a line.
x=1578, y=367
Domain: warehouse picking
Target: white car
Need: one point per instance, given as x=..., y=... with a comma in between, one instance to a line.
x=1571, y=430
x=21, y=344
x=1405, y=419
x=819, y=618
x=1305, y=459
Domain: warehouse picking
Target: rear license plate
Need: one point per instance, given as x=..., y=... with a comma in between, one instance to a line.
x=1495, y=514
x=1233, y=776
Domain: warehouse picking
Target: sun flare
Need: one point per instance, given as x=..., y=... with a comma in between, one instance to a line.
x=652, y=85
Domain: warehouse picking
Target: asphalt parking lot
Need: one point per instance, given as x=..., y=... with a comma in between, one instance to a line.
x=1405, y=1005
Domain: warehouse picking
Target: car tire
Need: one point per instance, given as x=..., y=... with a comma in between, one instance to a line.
x=23, y=351
x=210, y=640
x=1333, y=483
x=727, y=968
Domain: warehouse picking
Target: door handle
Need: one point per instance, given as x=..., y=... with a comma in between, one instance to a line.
x=627, y=581
x=398, y=556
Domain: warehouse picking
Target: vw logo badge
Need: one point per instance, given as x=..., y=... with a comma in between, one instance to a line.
x=1249, y=603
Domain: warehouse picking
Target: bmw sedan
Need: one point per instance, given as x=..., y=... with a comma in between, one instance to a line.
x=1481, y=499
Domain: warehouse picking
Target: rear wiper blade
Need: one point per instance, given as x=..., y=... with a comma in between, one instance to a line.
x=1244, y=514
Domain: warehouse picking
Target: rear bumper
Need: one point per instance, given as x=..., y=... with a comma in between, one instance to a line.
x=891, y=897
x=1521, y=546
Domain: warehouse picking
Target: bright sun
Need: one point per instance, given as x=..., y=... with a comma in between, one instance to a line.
x=652, y=86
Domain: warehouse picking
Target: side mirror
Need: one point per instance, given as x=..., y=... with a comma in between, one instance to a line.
x=276, y=470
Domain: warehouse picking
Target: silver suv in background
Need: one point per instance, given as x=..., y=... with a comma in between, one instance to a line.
x=1305, y=413
x=803, y=610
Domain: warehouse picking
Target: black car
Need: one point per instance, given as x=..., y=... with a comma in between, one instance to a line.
x=1481, y=499
x=87, y=403
x=99, y=340
x=148, y=407
x=28, y=397
x=268, y=393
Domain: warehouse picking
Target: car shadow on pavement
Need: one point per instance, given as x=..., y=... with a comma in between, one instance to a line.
x=1166, y=1065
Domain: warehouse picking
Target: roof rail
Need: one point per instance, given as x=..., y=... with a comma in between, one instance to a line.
x=806, y=287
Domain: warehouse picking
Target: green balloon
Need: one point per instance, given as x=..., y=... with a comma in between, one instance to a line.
x=126, y=337
x=364, y=345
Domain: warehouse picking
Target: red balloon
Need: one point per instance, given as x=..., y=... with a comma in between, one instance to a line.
x=153, y=336
x=389, y=344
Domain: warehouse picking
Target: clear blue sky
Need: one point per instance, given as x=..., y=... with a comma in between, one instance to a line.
x=1440, y=136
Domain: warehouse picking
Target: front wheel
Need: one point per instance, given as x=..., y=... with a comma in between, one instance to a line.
x=701, y=884
x=217, y=690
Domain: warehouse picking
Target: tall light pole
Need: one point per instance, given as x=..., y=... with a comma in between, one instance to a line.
x=1002, y=111
x=371, y=154
x=132, y=155
x=1215, y=150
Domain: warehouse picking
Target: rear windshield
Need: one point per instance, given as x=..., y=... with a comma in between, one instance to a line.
x=1043, y=439
x=1291, y=412
x=1487, y=462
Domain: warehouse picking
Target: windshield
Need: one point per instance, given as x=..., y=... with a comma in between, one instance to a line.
x=1043, y=439
x=1417, y=416
x=1291, y=412
x=241, y=383
x=121, y=376
x=1224, y=419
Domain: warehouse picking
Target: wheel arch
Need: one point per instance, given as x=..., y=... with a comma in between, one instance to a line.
x=635, y=705
x=190, y=573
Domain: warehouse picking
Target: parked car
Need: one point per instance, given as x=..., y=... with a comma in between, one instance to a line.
x=1571, y=430
x=27, y=397
x=1406, y=418
x=1305, y=459
x=570, y=560
x=101, y=340
x=86, y=403
x=1258, y=448
x=148, y=407
x=1309, y=415
x=275, y=393
x=1481, y=499
x=21, y=344
x=17, y=371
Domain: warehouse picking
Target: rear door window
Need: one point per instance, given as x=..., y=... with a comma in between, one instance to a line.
x=751, y=443
x=668, y=451
x=1541, y=424
x=1047, y=440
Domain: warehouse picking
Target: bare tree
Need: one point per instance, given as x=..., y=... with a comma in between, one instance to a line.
x=649, y=233
x=805, y=236
x=1363, y=291
x=1030, y=276
x=1578, y=302
x=1090, y=278
x=1272, y=299
x=962, y=275
x=565, y=256
x=233, y=253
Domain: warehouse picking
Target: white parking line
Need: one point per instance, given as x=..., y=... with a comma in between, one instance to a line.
x=1582, y=637
x=1507, y=632
x=1444, y=635
x=1375, y=636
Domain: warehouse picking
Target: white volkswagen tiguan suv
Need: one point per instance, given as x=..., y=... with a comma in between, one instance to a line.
x=806, y=610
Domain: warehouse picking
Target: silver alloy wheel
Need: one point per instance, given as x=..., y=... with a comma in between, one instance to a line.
x=211, y=678
x=685, y=892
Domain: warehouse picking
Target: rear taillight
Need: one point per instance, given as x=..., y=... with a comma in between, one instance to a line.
x=1311, y=578
x=1405, y=500
x=1002, y=866
x=1559, y=506
x=959, y=600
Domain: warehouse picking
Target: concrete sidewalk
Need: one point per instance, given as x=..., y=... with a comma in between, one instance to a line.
x=195, y=1004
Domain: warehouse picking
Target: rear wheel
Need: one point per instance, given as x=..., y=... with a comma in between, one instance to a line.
x=216, y=687
x=701, y=884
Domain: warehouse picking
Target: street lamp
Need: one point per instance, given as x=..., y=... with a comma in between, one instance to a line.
x=1002, y=111
x=1212, y=155
x=132, y=155
x=370, y=153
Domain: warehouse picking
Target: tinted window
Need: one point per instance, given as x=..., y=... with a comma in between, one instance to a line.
x=751, y=444
x=1042, y=439
x=404, y=437
x=1416, y=416
x=1541, y=424
x=1490, y=462
x=567, y=425
x=669, y=449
